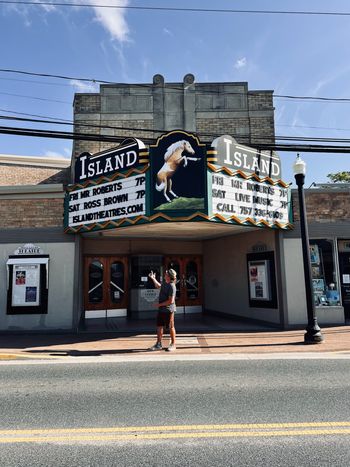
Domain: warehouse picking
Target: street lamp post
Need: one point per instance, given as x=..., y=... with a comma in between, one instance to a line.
x=313, y=333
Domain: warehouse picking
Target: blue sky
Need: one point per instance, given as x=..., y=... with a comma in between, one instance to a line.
x=292, y=55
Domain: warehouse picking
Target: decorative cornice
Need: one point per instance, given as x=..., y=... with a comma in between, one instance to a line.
x=31, y=161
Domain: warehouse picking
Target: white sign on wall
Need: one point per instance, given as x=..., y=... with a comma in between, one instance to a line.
x=108, y=201
x=249, y=199
x=26, y=285
x=29, y=249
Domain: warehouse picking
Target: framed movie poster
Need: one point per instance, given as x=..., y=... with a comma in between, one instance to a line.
x=26, y=285
x=259, y=280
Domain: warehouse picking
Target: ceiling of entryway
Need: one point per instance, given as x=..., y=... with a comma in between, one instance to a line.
x=173, y=230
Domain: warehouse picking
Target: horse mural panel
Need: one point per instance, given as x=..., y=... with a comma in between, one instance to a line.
x=173, y=159
x=178, y=172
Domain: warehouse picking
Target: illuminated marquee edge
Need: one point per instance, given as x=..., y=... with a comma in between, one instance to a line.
x=161, y=217
x=230, y=172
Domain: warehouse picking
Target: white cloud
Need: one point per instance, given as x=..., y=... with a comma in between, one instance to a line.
x=113, y=19
x=123, y=63
x=167, y=31
x=82, y=86
x=241, y=63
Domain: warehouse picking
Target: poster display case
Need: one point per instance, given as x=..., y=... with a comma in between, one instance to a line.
x=27, y=281
x=262, y=280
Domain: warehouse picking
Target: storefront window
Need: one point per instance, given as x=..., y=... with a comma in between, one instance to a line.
x=324, y=277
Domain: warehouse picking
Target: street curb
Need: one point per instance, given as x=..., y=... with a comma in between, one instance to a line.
x=44, y=359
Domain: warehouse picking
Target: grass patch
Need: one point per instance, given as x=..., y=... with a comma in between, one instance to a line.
x=181, y=203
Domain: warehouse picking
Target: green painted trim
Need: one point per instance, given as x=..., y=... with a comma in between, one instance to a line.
x=148, y=192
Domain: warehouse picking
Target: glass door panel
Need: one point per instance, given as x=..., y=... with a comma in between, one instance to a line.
x=95, y=279
x=188, y=284
x=117, y=282
x=191, y=281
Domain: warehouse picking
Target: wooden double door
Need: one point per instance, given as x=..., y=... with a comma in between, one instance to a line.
x=106, y=282
x=189, y=280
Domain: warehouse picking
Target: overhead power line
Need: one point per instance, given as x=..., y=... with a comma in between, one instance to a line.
x=36, y=98
x=148, y=86
x=152, y=131
x=117, y=139
x=66, y=121
x=180, y=9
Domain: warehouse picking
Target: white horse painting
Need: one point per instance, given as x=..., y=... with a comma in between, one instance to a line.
x=173, y=158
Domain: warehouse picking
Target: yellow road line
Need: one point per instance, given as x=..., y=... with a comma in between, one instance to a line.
x=160, y=428
x=155, y=436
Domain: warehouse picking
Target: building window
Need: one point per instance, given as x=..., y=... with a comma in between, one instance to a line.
x=324, y=276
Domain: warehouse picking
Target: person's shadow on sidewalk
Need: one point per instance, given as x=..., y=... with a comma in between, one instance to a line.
x=95, y=353
x=86, y=353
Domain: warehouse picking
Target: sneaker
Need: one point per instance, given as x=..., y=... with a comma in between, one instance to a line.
x=157, y=346
x=171, y=348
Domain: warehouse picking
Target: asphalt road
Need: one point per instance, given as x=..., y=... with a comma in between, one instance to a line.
x=214, y=413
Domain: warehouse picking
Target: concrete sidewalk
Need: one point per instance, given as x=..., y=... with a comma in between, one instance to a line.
x=337, y=340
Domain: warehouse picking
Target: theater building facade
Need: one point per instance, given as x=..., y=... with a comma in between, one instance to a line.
x=183, y=188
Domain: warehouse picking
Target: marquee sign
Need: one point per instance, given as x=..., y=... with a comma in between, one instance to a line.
x=236, y=198
x=228, y=153
x=131, y=153
x=181, y=179
x=122, y=198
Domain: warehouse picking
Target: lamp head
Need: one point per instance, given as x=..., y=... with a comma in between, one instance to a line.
x=299, y=166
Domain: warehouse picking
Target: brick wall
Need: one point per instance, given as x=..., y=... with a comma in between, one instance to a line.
x=31, y=213
x=237, y=127
x=87, y=103
x=213, y=109
x=24, y=175
x=95, y=146
x=322, y=206
x=260, y=100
